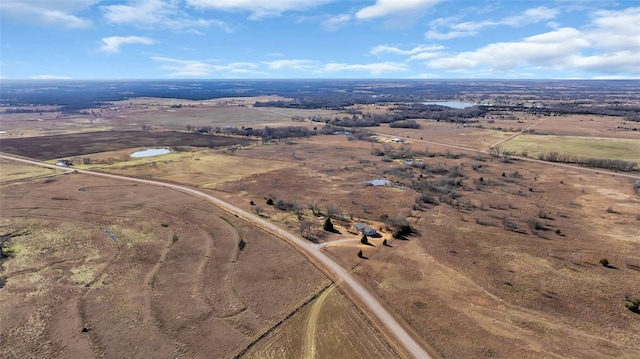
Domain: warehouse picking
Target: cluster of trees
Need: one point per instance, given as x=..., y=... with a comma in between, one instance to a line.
x=439, y=113
x=405, y=124
x=267, y=133
x=609, y=164
x=628, y=112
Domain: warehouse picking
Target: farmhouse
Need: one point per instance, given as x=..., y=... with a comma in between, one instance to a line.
x=364, y=229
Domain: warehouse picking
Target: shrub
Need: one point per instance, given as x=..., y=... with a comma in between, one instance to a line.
x=328, y=226
x=404, y=229
x=632, y=304
x=612, y=210
x=360, y=255
x=270, y=202
x=604, y=262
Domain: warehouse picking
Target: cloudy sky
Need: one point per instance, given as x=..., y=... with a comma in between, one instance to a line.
x=217, y=39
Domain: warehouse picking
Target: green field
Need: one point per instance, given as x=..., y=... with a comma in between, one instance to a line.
x=607, y=148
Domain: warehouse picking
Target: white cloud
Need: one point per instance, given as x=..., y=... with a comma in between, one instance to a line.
x=436, y=35
x=471, y=28
x=608, y=45
x=189, y=68
x=549, y=49
x=259, y=9
x=380, y=49
x=384, y=8
x=530, y=16
x=112, y=44
x=317, y=67
x=50, y=77
x=420, y=52
x=377, y=68
x=616, y=30
x=425, y=56
x=299, y=65
x=333, y=23
x=60, y=13
x=157, y=14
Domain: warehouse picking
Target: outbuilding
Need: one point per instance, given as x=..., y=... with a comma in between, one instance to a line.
x=365, y=229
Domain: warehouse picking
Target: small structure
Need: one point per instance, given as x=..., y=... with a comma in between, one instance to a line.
x=64, y=163
x=364, y=229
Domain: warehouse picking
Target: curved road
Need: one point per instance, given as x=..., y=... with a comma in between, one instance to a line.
x=311, y=251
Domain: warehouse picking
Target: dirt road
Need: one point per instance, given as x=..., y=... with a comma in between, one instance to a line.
x=312, y=252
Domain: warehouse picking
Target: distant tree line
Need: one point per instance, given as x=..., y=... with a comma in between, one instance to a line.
x=629, y=113
x=267, y=133
x=609, y=164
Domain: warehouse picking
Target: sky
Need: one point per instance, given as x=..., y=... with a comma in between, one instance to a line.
x=273, y=39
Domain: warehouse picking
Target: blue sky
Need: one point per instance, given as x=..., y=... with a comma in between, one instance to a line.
x=218, y=39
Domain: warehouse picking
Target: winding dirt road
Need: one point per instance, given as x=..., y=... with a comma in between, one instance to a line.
x=339, y=275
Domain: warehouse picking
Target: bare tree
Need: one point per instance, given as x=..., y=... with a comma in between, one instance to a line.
x=299, y=211
x=332, y=211
x=258, y=210
x=314, y=208
x=495, y=151
x=305, y=228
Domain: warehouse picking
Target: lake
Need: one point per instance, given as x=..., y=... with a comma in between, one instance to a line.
x=452, y=104
x=150, y=152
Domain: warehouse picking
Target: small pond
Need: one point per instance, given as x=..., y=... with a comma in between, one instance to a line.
x=380, y=182
x=150, y=152
x=452, y=104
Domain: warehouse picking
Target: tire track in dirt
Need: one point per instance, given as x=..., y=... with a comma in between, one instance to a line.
x=94, y=342
x=285, y=319
x=309, y=348
x=38, y=269
x=236, y=306
x=517, y=134
x=148, y=283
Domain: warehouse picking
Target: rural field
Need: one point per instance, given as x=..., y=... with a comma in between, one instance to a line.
x=485, y=246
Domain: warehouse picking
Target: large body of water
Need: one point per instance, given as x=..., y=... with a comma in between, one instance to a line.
x=452, y=104
x=150, y=152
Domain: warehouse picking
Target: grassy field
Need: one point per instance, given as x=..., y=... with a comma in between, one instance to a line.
x=14, y=171
x=70, y=290
x=60, y=146
x=504, y=261
x=327, y=327
x=205, y=168
x=608, y=148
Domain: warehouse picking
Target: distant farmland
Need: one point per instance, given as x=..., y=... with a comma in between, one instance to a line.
x=58, y=146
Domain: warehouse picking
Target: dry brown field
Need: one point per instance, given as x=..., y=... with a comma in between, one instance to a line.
x=174, y=284
x=505, y=262
x=155, y=113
